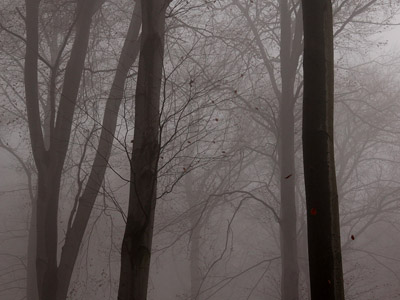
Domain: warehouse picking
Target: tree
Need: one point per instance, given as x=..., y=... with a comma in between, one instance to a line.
x=136, y=244
x=324, y=248
x=50, y=145
x=49, y=159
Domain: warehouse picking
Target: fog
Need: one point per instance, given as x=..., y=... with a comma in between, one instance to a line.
x=155, y=151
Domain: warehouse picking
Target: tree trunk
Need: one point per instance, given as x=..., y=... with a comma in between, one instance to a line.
x=75, y=233
x=46, y=230
x=52, y=162
x=326, y=276
x=195, y=270
x=288, y=216
x=290, y=49
x=194, y=251
x=53, y=280
x=31, y=281
x=136, y=245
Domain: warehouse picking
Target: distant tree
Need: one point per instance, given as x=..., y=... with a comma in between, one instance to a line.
x=324, y=248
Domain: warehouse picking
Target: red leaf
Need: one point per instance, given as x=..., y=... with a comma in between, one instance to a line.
x=290, y=175
x=313, y=211
x=352, y=237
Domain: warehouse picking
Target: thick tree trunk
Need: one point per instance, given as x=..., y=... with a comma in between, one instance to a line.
x=326, y=276
x=136, y=245
x=46, y=230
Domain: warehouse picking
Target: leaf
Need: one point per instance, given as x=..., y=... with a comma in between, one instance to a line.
x=313, y=211
x=352, y=237
x=290, y=175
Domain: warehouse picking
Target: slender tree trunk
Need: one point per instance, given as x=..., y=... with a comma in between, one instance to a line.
x=136, y=245
x=289, y=56
x=75, y=233
x=194, y=251
x=326, y=276
x=195, y=270
x=31, y=281
x=288, y=216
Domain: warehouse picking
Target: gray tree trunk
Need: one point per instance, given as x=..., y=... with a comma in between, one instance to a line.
x=194, y=252
x=31, y=281
x=290, y=50
x=326, y=275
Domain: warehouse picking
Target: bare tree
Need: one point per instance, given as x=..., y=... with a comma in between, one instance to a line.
x=50, y=148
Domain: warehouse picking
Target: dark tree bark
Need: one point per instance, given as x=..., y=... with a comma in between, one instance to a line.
x=326, y=275
x=136, y=245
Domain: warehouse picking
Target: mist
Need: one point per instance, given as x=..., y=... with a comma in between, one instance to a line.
x=195, y=150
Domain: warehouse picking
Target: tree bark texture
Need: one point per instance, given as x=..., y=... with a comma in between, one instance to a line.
x=136, y=245
x=326, y=275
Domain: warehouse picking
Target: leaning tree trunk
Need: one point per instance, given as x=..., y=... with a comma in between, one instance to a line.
x=136, y=245
x=326, y=275
x=75, y=232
